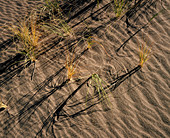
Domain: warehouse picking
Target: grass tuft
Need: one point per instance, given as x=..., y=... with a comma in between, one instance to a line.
x=99, y=85
x=50, y=8
x=120, y=7
x=28, y=34
x=71, y=66
x=57, y=26
x=144, y=53
x=57, y=23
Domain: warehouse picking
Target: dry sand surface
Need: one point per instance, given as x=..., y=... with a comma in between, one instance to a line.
x=48, y=106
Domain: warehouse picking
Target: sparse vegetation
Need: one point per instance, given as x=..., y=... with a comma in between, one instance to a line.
x=99, y=85
x=71, y=65
x=58, y=26
x=28, y=35
x=120, y=7
x=57, y=21
x=50, y=7
x=144, y=53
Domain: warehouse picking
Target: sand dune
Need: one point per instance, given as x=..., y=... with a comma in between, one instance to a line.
x=50, y=106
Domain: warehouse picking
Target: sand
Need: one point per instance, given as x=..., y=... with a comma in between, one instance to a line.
x=50, y=106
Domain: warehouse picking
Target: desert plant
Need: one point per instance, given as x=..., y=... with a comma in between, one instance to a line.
x=99, y=85
x=28, y=34
x=119, y=7
x=50, y=7
x=70, y=65
x=57, y=26
x=57, y=23
x=144, y=53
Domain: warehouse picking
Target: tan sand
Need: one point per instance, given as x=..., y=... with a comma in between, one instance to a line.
x=48, y=106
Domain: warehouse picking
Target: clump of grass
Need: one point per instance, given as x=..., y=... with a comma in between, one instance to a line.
x=57, y=23
x=57, y=26
x=99, y=86
x=119, y=7
x=144, y=53
x=71, y=66
x=50, y=7
x=28, y=35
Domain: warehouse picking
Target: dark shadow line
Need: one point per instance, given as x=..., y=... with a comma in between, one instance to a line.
x=13, y=39
x=49, y=79
x=10, y=62
x=32, y=74
x=60, y=107
x=8, y=42
x=122, y=78
x=34, y=106
x=66, y=7
x=79, y=112
x=51, y=118
x=115, y=84
x=50, y=47
x=104, y=8
x=62, y=104
x=39, y=88
x=82, y=11
x=21, y=115
x=122, y=46
x=128, y=14
x=9, y=75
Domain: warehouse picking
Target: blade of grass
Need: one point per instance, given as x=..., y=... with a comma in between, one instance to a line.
x=90, y=42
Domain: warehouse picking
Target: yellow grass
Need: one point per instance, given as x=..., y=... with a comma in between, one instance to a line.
x=28, y=35
x=70, y=66
x=144, y=53
x=2, y=105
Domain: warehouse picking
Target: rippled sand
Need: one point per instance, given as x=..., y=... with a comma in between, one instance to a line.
x=48, y=106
